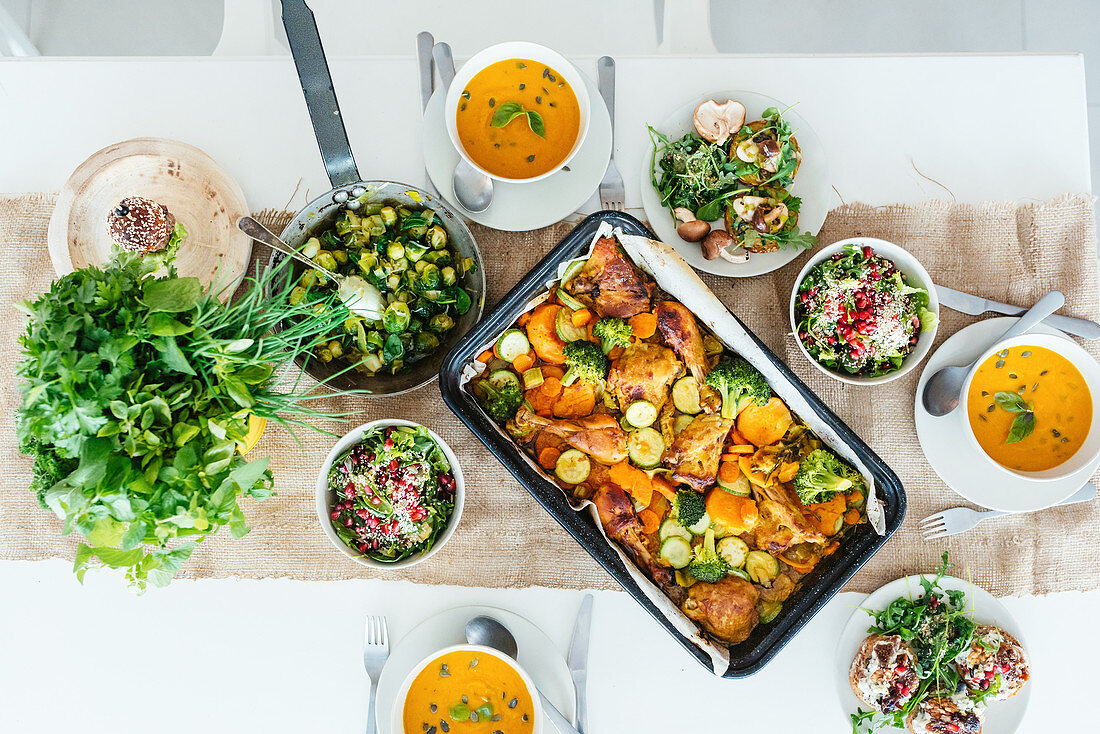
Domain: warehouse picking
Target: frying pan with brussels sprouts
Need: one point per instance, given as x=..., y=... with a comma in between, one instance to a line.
x=405, y=254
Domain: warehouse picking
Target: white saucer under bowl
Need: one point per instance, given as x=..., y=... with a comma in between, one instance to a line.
x=1002, y=717
x=811, y=184
x=953, y=454
x=538, y=656
x=518, y=207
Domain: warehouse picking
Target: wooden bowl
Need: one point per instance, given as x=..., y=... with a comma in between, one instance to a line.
x=199, y=192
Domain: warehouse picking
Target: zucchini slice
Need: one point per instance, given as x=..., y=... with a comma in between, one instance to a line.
x=761, y=567
x=670, y=528
x=734, y=550
x=685, y=396
x=573, y=466
x=769, y=610
x=702, y=525
x=681, y=421
x=511, y=344
x=645, y=447
x=741, y=486
x=569, y=301
x=676, y=551
x=572, y=269
x=500, y=378
x=641, y=413
x=563, y=324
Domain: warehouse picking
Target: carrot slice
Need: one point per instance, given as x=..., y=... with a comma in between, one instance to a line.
x=664, y=487
x=548, y=457
x=737, y=439
x=852, y=516
x=728, y=471
x=644, y=325
x=523, y=362
x=485, y=356
x=582, y=317
x=740, y=448
x=552, y=370
x=650, y=521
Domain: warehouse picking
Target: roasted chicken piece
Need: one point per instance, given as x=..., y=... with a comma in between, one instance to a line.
x=680, y=331
x=600, y=436
x=621, y=523
x=643, y=372
x=696, y=450
x=726, y=609
x=612, y=283
x=782, y=521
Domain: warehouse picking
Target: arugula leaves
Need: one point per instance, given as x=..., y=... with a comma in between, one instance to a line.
x=136, y=392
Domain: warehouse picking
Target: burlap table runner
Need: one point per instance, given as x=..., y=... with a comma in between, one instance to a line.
x=1008, y=252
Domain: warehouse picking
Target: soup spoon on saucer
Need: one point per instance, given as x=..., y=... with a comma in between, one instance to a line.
x=942, y=391
x=473, y=189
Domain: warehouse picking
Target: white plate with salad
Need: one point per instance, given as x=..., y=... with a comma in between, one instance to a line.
x=769, y=165
x=961, y=606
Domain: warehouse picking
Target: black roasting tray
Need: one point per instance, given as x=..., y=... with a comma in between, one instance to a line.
x=815, y=589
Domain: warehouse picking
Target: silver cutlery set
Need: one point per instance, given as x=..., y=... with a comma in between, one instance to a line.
x=489, y=632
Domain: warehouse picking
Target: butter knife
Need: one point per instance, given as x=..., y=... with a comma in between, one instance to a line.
x=975, y=305
x=578, y=661
x=425, y=42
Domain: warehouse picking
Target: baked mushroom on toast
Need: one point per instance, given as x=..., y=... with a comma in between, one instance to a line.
x=994, y=656
x=766, y=151
x=765, y=220
x=883, y=673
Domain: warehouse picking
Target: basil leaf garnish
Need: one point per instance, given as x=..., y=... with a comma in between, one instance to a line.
x=1022, y=427
x=1012, y=402
x=534, y=121
x=507, y=112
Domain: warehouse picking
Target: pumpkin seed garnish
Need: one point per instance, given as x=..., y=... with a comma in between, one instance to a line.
x=462, y=108
x=465, y=94
x=473, y=716
x=1000, y=364
x=538, y=100
x=465, y=700
x=521, y=65
x=1043, y=373
x=473, y=663
x=492, y=102
x=444, y=726
x=1035, y=387
x=1025, y=354
x=1002, y=353
x=443, y=671
x=495, y=717
x=431, y=730
x=985, y=394
x=982, y=416
x=1012, y=375
x=1054, y=431
x=530, y=158
x=1065, y=440
x=524, y=717
x=522, y=87
x=434, y=708
x=991, y=408
x=513, y=703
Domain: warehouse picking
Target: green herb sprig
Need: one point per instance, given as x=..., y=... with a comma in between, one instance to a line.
x=509, y=111
x=1024, y=423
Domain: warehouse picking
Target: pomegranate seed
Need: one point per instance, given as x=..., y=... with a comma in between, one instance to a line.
x=803, y=335
x=805, y=297
x=388, y=444
x=1005, y=668
x=348, y=522
x=854, y=353
x=349, y=490
x=335, y=514
x=363, y=547
x=985, y=685
x=901, y=670
x=363, y=513
x=867, y=253
x=831, y=339
x=952, y=728
x=393, y=465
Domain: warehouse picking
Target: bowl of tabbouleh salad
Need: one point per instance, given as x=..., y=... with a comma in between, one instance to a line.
x=390, y=494
x=864, y=311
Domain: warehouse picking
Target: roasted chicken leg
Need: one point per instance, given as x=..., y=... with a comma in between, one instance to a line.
x=612, y=283
x=696, y=450
x=622, y=525
x=681, y=333
x=782, y=520
x=600, y=436
x=726, y=609
x=644, y=372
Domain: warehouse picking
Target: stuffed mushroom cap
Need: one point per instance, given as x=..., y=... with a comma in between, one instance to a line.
x=140, y=225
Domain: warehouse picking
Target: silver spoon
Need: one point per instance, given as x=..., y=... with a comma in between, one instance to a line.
x=941, y=393
x=488, y=632
x=358, y=295
x=473, y=189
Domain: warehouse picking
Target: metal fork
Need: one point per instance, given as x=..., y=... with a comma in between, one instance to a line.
x=376, y=649
x=961, y=519
x=612, y=194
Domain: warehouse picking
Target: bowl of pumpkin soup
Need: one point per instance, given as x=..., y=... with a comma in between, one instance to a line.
x=1032, y=407
x=467, y=689
x=518, y=112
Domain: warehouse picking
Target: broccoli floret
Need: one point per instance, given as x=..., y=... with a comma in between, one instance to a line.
x=689, y=507
x=502, y=402
x=740, y=383
x=821, y=475
x=707, y=565
x=612, y=332
x=586, y=361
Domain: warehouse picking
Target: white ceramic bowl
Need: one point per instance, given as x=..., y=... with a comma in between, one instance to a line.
x=1090, y=371
x=914, y=273
x=397, y=716
x=324, y=499
x=516, y=50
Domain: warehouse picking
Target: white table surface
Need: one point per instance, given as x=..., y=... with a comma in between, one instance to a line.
x=284, y=656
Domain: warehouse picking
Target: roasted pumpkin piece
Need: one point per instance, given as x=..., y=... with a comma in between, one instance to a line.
x=543, y=334
x=736, y=514
x=763, y=425
x=576, y=400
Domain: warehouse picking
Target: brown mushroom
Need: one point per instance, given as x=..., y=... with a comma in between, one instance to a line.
x=694, y=230
x=715, y=242
x=717, y=122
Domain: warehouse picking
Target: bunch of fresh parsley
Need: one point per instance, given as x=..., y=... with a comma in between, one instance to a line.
x=136, y=395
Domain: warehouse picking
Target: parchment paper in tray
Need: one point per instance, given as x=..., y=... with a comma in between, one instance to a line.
x=677, y=278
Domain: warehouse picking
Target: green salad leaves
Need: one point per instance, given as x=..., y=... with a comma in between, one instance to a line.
x=136, y=395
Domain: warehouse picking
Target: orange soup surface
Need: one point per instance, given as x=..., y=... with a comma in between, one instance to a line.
x=471, y=693
x=1054, y=392
x=499, y=135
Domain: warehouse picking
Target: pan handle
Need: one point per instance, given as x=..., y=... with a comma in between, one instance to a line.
x=324, y=110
